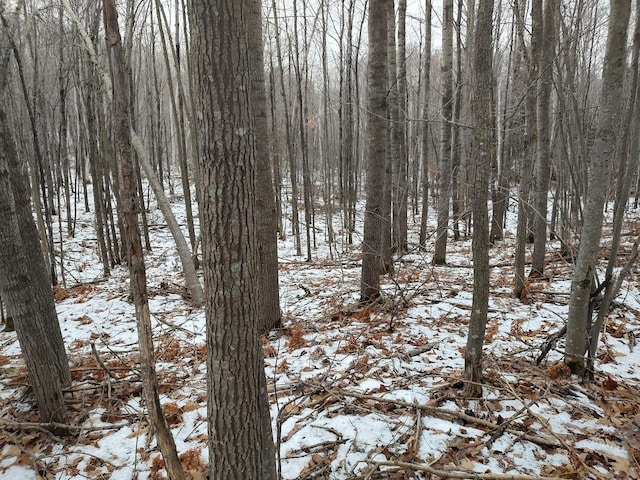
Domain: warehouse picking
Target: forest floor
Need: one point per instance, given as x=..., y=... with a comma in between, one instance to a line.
x=356, y=393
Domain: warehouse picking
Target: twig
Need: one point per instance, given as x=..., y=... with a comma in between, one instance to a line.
x=44, y=427
x=421, y=467
x=549, y=343
x=100, y=362
x=449, y=413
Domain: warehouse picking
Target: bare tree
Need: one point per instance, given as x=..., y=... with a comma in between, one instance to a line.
x=583, y=281
x=128, y=206
x=377, y=138
x=269, y=303
x=542, y=172
x=484, y=148
x=444, y=192
x=426, y=130
x=24, y=280
x=240, y=443
x=531, y=57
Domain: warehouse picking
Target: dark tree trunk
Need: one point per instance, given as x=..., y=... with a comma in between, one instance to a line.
x=266, y=221
x=238, y=415
x=377, y=138
x=24, y=281
x=484, y=148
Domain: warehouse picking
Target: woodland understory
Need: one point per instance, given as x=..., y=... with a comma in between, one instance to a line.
x=355, y=393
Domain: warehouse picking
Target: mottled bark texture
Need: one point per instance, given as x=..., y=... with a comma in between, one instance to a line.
x=238, y=415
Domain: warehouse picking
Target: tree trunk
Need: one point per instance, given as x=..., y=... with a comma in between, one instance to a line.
x=26, y=290
x=543, y=157
x=128, y=213
x=24, y=281
x=377, y=138
x=484, y=148
x=426, y=137
x=582, y=281
x=532, y=57
x=238, y=416
x=444, y=193
x=266, y=221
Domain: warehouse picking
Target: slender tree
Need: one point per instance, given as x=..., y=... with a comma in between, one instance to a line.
x=484, y=148
x=542, y=173
x=444, y=192
x=426, y=137
x=583, y=281
x=266, y=221
x=532, y=59
x=377, y=139
x=128, y=206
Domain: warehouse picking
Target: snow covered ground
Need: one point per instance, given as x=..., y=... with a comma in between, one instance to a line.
x=356, y=393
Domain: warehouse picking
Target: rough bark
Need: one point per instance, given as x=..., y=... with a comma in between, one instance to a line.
x=377, y=138
x=266, y=220
x=238, y=420
x=582, y=281
x=484, y=149
x=25, y=287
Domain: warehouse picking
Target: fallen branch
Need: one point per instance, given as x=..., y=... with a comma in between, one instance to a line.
x=421, y=467
x=549, y=343
x=448, y=413
x=45, y=427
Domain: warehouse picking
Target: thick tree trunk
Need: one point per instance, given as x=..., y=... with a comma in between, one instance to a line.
x=627, y=153
x=238, y=417
x=582, y=282
x=24, y=280
x=377, y=138
x=25, y=287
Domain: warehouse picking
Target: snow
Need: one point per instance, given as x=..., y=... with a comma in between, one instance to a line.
x=362, y=386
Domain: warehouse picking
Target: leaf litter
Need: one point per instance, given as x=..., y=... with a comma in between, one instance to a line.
x=356, y=392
